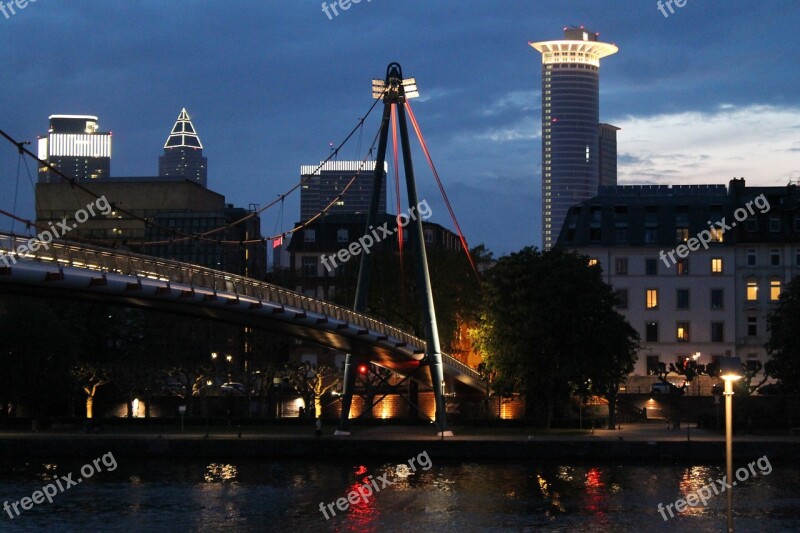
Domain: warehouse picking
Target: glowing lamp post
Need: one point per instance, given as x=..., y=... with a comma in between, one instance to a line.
x=730, y=370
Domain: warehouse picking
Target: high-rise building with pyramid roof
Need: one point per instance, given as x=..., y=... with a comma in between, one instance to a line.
x=183, y=153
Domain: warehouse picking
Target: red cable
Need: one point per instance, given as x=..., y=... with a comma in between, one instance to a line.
x=441, y=187
x=397, y=180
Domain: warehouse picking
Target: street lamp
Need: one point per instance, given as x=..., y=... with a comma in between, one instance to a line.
x=730, y=370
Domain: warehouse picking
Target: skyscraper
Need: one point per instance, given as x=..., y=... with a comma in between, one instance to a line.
x=183, y=153
x=322, y=185
x=607, y=152
x=570, y=124
x=75, y=147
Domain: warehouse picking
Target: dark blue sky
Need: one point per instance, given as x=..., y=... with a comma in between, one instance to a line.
x=709, y=93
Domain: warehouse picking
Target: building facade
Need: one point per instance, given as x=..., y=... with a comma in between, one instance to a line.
x=607, y=154
x=183, y=153
x=324, y=183
x=570, y=124
x=713, y=300
x=75, y=147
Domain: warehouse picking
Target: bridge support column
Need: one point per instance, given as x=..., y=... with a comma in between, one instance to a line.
x=349, y=382
x=416, y=238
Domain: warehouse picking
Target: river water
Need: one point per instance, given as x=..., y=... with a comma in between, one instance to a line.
x=153, y=495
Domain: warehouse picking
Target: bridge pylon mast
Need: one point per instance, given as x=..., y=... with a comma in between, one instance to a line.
x=394, y=90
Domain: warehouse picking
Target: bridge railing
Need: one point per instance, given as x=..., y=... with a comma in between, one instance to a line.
x=143, y=266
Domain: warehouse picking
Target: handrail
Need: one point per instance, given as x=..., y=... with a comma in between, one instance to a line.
x=144, y=266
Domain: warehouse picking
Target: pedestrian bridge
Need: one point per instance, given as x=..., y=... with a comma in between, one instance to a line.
x=67, y=269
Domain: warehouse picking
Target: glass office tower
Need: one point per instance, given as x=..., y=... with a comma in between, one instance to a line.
x=570, y=124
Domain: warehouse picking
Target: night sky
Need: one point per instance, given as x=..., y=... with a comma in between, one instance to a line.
x=707, y=94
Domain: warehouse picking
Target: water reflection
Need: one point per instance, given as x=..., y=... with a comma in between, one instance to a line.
x=455, y=497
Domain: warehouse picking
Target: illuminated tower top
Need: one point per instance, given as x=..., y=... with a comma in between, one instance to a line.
x=183, y=153
x=183, y=133
x=578, y=46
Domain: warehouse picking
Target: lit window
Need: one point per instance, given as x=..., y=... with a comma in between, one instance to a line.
x=682, y=267
x=682, y=332
x=652, y=298
x=775, y=290
x=682, y=234
x=752, y=291
x=716, y=265
x=717, y=235
x=593, y=262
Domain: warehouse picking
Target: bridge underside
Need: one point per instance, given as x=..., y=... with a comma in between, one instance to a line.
x=43, y=280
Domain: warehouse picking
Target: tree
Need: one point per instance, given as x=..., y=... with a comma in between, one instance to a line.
x=549, y=324
x=783, y=346
x=312, y=381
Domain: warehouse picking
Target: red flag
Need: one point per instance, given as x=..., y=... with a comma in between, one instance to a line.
x=277, y=242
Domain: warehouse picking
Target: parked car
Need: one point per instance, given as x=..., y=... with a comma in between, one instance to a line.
x=232, y=388
x=659, y=387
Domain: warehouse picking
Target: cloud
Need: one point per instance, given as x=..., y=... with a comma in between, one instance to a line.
x=757, y=142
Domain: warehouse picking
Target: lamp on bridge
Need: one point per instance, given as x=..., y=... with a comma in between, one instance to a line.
x=730, y=370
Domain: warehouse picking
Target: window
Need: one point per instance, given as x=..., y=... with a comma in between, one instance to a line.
x=682, y=267
x=620, y=235
x=651, y=235
x=775, y=257
x=651, y=267
x=682, y=331
x=681, y=234
x=751, y=257
x=593, y=262
x=775, y=290
x=428, y=235
x=717, y=234
x=621, y=266
x=682, y=299
x=752, y=291
x=310, y=235
x=717, y=299
x=651, y=331
x=774, y=224
x=752, y=326
x=622, y=298
x=310, y=267
x=751, y=225
x=342, y=235
x=717, y=332
x=716, y=265
x=652, y=365
x=651, y=296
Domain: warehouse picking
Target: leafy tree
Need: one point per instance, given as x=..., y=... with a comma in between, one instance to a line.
x=550, y=325
x=783, y=346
